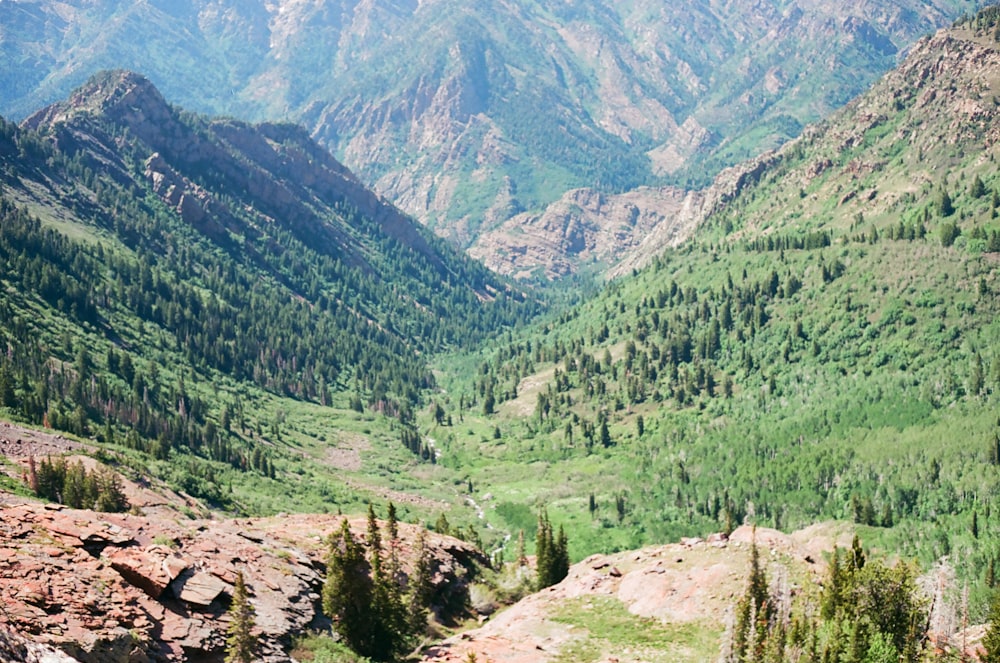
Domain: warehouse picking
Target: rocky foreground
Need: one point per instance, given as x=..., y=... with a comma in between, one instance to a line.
x=108, y=588
x=691, y=585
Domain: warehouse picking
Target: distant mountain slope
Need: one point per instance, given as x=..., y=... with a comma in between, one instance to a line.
x=873, y=158
x=466, y=115
x=148, y=253
x=826, y=344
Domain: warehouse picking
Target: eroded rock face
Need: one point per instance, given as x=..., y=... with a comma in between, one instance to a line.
x=110, y=588
x=586, y=229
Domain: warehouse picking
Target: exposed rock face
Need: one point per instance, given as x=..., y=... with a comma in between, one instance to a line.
x=585, y=229
x=15, y=648
x=105, y=588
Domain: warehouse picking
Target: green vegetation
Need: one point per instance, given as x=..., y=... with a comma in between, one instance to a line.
x=991, y=643
x=71, y=484
x=825, y=348
x=242, y=642
x=202, y=352
x=363, y=597
x=552, y=552
x=868, y=611
x=816, y=352
x=324, y=649
x=608, y=628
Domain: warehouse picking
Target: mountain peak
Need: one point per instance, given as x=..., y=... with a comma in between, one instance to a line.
x=118, y=94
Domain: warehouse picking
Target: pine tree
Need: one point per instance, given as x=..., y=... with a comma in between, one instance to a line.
x=605, y=435
x=388, y=616
x=977, y=189
x=241, y=643
x=392, y=530
x=110, y=493
x=420, y=586
x=347, y=593
x=543, y=550
x=945, y=205
x=551, y=553
x=833, y=589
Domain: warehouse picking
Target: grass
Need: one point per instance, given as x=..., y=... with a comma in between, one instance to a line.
x=608, y=628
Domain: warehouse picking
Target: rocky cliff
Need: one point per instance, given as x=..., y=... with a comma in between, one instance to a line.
x=587, y=231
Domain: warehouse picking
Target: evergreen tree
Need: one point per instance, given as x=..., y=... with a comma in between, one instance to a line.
x=420, y=586
x=388, y=617
x=347, y=592
x=551, y=553
x=241, y=643
x=7, y=396
x=977, y=189
x=605, y=435
x=945, y=205
x=110, y=493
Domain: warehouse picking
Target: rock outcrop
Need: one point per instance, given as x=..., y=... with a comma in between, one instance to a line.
x=692, y=583
x=109, y=588
x=589, y=231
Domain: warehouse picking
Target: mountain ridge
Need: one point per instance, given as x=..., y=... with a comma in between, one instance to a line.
x=490, y=112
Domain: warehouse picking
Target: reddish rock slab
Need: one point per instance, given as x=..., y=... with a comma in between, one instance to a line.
x=151, y=570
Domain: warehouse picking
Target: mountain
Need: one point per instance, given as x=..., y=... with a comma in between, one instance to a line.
x=589, y=232
x=163, y=271
x=822, y=346
x=627, y=231
x=205, y=303
x=466, y=116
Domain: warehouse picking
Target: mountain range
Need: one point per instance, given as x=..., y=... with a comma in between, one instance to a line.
x=220, y=311
x=466, y=116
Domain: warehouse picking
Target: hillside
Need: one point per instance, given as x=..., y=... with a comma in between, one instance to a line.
x=824, y=346
x=466, y=115
x=180, y=285
x=114, y=588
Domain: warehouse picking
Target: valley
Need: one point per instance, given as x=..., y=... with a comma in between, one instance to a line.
x=214, y=331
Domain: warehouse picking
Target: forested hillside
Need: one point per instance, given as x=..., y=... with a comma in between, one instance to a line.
x=824, y=348
x=225, y=307
x=150, y=256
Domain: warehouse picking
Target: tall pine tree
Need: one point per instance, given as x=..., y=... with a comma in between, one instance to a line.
x=991, y=642
x=241, y=643
x=348, y=591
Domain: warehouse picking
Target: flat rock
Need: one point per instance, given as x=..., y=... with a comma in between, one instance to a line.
x=198, y=588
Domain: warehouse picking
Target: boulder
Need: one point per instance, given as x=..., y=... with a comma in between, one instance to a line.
x=150, y=569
